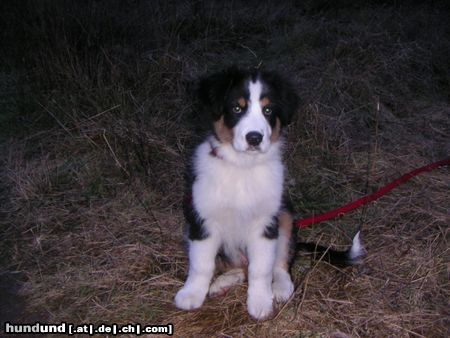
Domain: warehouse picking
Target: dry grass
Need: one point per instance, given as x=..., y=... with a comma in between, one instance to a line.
x=98, y=122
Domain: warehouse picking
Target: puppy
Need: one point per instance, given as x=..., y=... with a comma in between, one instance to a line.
x=235, y=211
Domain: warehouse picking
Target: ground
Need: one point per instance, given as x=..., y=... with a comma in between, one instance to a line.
x=98, y=118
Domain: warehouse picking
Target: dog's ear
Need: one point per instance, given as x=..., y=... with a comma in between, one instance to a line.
x=290, y=103
x=214, y=89
x=289, y=99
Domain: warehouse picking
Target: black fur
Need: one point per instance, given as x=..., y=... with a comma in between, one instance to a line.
x=271, y=230
x=196, y=230
x=282, y=95
x=334, y=257
x=194, y=223
x=214, y=90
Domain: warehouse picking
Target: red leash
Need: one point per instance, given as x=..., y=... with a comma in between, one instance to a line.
x=303, y=223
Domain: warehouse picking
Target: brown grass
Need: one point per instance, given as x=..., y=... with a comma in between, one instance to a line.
x=99, y=121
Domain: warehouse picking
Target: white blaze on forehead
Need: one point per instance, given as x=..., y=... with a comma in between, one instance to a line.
x=256, y=120
x=255, y=89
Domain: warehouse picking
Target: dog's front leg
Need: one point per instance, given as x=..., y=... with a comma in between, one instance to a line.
x=261, y=254
x=202, y=254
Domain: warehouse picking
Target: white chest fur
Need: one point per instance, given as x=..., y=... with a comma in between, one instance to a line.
x=234, y=193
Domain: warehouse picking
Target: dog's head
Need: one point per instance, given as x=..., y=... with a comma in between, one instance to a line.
x=249, y=108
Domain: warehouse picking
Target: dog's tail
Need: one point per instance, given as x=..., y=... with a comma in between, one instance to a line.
x=339, y=258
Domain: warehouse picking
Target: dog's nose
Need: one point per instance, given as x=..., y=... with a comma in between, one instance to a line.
x=254, y=138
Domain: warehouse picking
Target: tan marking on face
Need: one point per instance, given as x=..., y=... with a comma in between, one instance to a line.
x=224, y=134
x=285, y=223
x=265, y=101
x=276, y=131
x=242, y=103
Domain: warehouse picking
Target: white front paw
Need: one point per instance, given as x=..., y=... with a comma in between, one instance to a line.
x=282, y=288
x=259, y=306
x=189, y=299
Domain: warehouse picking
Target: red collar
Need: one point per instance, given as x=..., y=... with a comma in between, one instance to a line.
x=214, y=152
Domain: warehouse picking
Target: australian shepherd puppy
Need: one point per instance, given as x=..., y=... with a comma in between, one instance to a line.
x=236, y=211
x=236, y=203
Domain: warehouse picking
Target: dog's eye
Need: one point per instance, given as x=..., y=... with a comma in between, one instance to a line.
x=237, y=109
x=267, y=111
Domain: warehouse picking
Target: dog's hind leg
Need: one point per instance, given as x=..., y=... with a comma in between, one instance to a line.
x=225, y=281
x=282, y=286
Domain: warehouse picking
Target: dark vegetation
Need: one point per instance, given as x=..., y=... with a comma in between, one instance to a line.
x=98, y=116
